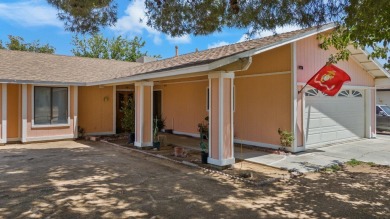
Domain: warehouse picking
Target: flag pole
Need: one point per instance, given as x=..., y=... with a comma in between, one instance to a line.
x=302, y=89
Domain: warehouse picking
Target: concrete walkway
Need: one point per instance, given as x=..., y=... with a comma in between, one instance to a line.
x=368, y=150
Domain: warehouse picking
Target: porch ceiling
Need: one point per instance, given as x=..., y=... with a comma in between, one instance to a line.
x=371, y=66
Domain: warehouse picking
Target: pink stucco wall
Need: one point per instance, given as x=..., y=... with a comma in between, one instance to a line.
x=227, y=121
x=137, y=113
x=184, y=105
x=214, y=125
x=1, y=112
x=373, y=112
x=262, y=105
x=313, y=58
x=147, y=126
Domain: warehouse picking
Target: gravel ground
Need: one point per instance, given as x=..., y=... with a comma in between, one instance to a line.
x=94, y=180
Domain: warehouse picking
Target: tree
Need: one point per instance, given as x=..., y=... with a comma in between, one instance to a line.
x=17, y=43
x=85, y=16
x=118, y=48
x=364, y=23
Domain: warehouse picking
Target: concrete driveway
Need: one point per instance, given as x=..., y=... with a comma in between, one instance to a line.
x=70, y=179
x=368, y=150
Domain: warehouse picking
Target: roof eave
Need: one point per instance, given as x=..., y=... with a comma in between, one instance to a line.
x=213, y=65
x=51, y=83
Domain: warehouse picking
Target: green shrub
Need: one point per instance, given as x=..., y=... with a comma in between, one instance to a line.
x=286, y=138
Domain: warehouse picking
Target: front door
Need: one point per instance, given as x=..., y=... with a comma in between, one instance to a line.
x=121, y=98
x=157, y=104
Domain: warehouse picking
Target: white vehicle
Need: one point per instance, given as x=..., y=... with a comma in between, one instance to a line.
x=382, y=117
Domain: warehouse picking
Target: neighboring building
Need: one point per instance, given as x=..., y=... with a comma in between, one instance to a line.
x=247, y=89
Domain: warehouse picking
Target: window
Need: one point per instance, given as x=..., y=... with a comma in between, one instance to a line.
x=350, y=93
x=50, y=105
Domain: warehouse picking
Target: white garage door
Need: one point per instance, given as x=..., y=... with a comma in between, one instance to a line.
x=331, y=119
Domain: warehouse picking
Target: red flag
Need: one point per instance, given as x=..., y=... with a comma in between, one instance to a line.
x=329, y=79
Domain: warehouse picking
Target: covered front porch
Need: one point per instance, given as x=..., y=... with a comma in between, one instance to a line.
x=246, y=102
x=214, y=101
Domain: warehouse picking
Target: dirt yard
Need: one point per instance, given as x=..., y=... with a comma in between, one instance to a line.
x=95, y=180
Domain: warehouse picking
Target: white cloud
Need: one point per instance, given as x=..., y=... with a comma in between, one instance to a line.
x=217, y=44
x=179, y=40
x=134, y=22
x=30, y=13
x=278, y=30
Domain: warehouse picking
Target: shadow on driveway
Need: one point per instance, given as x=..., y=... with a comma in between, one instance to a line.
x=95, y=180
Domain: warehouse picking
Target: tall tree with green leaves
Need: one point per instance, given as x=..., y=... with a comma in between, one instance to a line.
x=364, y=23
x=85, y=16
x=17, y=43
x=118, y=48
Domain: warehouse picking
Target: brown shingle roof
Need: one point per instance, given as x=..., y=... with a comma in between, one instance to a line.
x=25, y=66
x=215, y=54
x=39, y=67
x=210, y=55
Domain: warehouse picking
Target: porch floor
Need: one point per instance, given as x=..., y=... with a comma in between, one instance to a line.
x=367, y=150
x=248, y=153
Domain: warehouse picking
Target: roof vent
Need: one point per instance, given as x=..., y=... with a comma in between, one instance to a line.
x=177, y=51
x=145, y=59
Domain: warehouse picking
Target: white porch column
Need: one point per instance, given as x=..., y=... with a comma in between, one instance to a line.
x=370, y=106
x=75, y=111
x=294, y=97
x=221, y=145
x=143, y=114
x=4, y=113
x=24, y=113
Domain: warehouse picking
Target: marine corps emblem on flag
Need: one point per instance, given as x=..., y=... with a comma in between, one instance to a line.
x=329, y=79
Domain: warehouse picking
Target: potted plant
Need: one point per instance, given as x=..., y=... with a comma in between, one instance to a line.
x=160, y=123
x=203, y=146
x=128, y=120
x=203, y=129
x=156, y=142
x=81, y=132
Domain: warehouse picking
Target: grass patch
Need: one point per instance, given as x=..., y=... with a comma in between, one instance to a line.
x=354, y=162
x=333, y=168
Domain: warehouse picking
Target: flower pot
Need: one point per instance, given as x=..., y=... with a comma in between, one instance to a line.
x=204, y=156
x=131, y=138
x=156, y=144
x=178, y=151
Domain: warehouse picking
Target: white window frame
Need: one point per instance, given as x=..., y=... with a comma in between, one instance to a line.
x=33, y=125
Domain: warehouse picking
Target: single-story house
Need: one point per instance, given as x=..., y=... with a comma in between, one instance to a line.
x=249, y=90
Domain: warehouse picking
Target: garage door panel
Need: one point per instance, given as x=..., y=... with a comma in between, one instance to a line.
x=315, y=138
x=326, y=129
x=314, y=123
x=329, y=136
x=330, y=119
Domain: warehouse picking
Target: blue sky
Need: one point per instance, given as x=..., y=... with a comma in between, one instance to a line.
x=37, y=20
